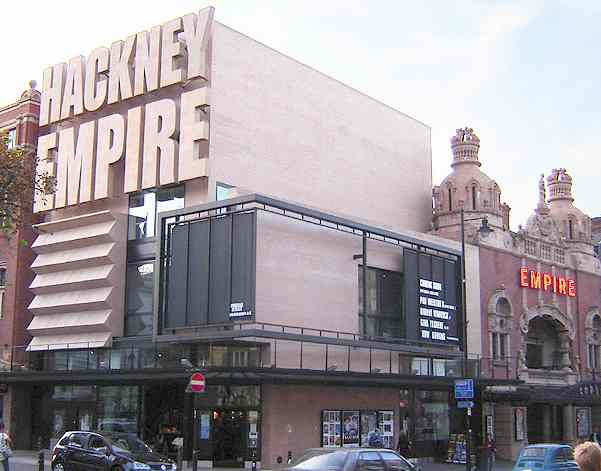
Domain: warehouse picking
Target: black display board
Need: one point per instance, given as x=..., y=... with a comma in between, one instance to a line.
x=432, y=298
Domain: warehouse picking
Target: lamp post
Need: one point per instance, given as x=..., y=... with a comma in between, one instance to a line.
x=484, y=229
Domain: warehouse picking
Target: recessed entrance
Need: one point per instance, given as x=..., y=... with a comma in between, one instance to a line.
x=229, y=437
x=545, y=423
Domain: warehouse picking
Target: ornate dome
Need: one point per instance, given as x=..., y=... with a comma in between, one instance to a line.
x=573, y=224
x=467, y=187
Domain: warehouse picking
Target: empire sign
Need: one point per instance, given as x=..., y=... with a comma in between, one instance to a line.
x=144, y=99
x=534, y=279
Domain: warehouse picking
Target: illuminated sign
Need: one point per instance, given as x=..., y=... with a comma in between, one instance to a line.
x=544, y=281
x=140, y=105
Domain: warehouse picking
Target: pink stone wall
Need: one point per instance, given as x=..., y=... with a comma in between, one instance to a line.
x=291, y=415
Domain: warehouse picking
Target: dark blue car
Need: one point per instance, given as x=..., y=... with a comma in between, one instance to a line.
x=546, y=458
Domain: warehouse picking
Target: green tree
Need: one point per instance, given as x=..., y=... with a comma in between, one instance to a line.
x=18, y=182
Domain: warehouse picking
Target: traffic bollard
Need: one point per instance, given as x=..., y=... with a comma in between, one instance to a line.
x=194, y=460
x=41, y=460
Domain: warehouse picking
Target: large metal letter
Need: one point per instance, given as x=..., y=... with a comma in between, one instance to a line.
x=133, y=145
x=73, y=96
x=96, y=88
x=111, y=133
x=52, y=92
x=75, y=165
x=119, y=71
x=194, y=129
x=146, y=76
x=197, y=30
x=171, y=49
x=159, y=149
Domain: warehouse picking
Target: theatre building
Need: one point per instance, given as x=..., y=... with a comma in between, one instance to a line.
x=223, y=208
x=19, y=122
x=540, y=289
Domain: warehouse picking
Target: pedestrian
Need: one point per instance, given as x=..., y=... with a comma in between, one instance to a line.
x=489, y=452
x=5, y=451
x=588, y=456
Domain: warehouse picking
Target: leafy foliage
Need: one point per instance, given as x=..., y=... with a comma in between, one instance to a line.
x=18, y=181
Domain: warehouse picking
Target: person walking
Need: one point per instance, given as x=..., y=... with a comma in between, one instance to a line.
x=588, y=456
x=5, y=451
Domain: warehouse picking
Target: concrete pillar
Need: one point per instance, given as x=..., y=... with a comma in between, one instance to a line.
x=547, y=421
x=569, y=424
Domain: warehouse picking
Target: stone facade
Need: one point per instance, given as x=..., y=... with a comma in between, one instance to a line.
x=540, y=289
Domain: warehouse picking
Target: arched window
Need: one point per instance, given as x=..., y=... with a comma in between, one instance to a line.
x=450, y=200
x=570, y=229
x=474, y=197
x=594, y=343
x=500, y=329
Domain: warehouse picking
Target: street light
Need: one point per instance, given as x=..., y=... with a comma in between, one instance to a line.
x=484, y=230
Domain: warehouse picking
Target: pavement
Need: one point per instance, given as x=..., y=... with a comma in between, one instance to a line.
x=28, y=461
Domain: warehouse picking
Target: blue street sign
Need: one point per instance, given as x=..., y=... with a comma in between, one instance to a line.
x=464, y=389
x=465, y=404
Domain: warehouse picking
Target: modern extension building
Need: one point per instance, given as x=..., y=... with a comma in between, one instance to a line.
x=20, y=121
x=540, y=295
x=222, y=208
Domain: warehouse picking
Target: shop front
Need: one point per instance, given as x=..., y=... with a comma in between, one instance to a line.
x=222, y=424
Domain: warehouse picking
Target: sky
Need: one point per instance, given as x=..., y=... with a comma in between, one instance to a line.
x=525, y=75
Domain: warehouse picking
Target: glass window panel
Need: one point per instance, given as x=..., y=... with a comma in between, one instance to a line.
x=439, y=367
x=370, y=461
x=12, y=138
x=118, y=408
x=502, y=345
x=140, y=293
x=169, y=199
x=142, y=213
x=431, y=416
x=395, y=462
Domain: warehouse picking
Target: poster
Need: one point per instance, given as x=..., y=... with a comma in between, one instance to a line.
x=350, y=428
x=519, y=423
x=330, y=423
x=582, y=422
x=371, y=435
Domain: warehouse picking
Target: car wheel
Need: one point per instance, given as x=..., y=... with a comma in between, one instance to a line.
x=58, y=466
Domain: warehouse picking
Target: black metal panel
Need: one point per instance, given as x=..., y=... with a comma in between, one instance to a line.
x=411, y=293
x=243, y=266
x=198, y=279
x=178, y=278
x=220, y=269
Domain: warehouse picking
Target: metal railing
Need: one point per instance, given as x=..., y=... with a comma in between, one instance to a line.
x=272, y=354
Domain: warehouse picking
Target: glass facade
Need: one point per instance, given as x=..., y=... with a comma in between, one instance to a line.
x=145, y=206
x=384, y=317
x=140, y=292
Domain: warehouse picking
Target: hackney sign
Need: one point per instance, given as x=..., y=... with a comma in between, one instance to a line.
x=431, y=298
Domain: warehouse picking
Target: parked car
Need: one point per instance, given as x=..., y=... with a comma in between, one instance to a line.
x=546, y=457
x=350, y=459
x=101, y=451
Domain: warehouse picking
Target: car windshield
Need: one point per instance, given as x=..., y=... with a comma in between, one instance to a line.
x=128, y=443
x=321, y=459
x=534, y=453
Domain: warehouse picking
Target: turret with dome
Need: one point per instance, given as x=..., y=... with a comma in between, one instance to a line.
x=467, y=188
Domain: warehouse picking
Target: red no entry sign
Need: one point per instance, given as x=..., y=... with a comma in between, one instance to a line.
x=197, y=383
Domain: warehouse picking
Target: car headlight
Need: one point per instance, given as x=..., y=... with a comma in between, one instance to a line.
x=138, y=465
x=173, y=467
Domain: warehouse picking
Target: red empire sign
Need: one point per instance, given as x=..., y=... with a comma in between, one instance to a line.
x=545, y=281
x=197, y=383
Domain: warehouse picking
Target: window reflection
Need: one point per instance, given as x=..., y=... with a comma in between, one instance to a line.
x=144, y=208
x=140, y=291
